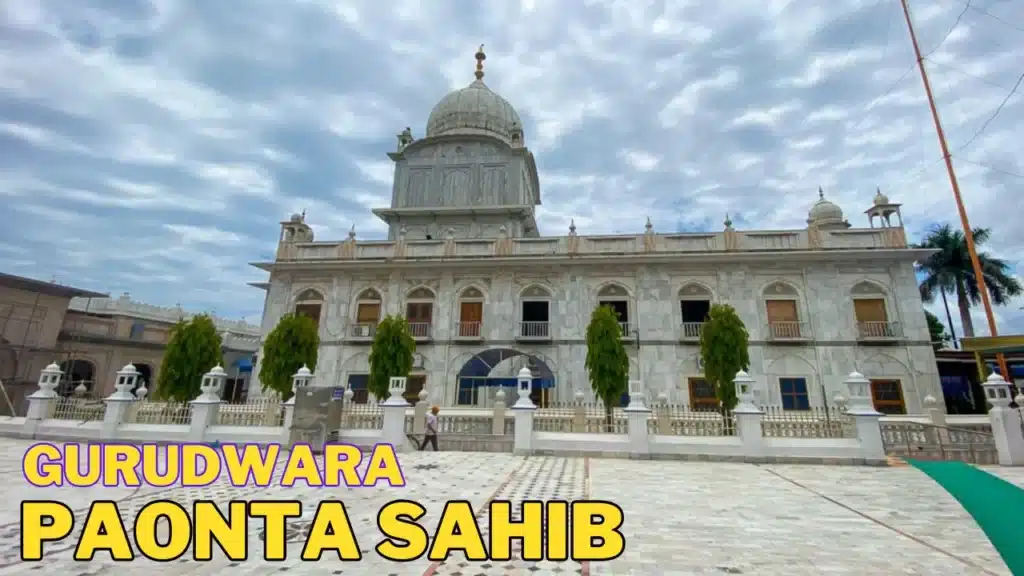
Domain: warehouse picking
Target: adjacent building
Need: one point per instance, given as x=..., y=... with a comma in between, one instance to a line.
x=91, y=336
x=486, y=294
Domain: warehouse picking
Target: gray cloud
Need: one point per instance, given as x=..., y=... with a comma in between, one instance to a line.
x=155, y=146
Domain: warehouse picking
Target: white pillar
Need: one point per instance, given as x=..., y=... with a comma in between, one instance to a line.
x=523, y=410
x=300, y=380
x=637, y=415
x=206, y=407
x=498, y=420
x=41, y=402
x=419, y=418
x=866, y=418
x=119, y=404
x=748, y=417
x=1006, y=422
x=392, y=428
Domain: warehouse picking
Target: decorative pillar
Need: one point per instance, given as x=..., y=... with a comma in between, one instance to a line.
x=119, y=404
x=301, y=379
x=206, y=407
x=663, y=415
x=498, y=422
x=866, y=418
x=1007, y=423
x=748, y=417
x=637, y=415
x=392, y=428
x=579, y=414
x=42, y=402
x=419, y=415
x=523, y=410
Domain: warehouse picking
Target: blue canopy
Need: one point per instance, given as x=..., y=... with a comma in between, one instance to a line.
x=1016, y=370
x=477, y=382
x=243, y=364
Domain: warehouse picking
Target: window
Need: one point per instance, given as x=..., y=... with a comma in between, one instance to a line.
x=368, y=306
x=702, y=395
x=783, y=319
x=617, y=298
x=471, y=315
x=535, y=313
x=413, y=384
x=310, y=304
x=794, y=394
x=872, y=320
x=695, y=310
x=358, y=384
x=467, y=392
x=138, y=329
x=887, y=396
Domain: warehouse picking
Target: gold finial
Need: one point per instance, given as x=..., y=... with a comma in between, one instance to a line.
x=821, y=193
x=480, y=57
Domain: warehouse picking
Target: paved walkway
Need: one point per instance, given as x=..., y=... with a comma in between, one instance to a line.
x=681, y=518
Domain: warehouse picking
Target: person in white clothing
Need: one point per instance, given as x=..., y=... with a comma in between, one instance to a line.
x=430, y=435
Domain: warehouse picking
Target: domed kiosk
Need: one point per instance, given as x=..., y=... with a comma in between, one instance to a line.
x=470, y=176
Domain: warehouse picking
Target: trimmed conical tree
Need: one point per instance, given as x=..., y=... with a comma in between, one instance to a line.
x=723, y=348
x=292, y=344
x=607, y=363
x=391, y=355
x=193, y=350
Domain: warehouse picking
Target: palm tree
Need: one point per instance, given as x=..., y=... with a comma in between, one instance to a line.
x=950, y=271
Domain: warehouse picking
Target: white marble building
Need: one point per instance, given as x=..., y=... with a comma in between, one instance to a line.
x=485, y=293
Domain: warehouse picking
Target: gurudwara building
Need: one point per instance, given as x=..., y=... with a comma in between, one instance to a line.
x=486, y=294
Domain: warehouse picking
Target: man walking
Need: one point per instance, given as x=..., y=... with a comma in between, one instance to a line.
x=430, y=435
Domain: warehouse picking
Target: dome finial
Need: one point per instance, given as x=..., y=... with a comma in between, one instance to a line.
x=821, y=193
x=480, y=57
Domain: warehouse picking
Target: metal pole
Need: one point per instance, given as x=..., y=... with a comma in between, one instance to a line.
x=979, y=277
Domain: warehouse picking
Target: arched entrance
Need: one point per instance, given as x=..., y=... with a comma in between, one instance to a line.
x=76, y=372
x=145, y=377
x=485, y=373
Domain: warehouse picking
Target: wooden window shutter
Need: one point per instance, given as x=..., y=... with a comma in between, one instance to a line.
x=782, y=311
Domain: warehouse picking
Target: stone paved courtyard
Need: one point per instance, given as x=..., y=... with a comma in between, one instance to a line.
x=681, y=518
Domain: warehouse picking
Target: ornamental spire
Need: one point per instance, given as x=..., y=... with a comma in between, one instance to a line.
x=480, y=57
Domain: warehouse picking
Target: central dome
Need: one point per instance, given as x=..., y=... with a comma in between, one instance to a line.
x=474, y=110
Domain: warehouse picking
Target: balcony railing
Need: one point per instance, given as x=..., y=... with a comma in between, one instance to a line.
x=690, y=331
x=787, y=330
x=419, y=330
x=878, y=330
x=469, y=330
x=363, y=330
x=627, y=329
x=535, y=330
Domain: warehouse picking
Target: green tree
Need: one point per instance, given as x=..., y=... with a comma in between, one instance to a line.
x=292, y=344
x=937, y=331
x=723, y=348
x=950, y=271
x=607, y=363
x=193, y=350
x=391, y=355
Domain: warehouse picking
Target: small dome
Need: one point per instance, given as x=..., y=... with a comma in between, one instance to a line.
x=474, y=110
x=824, y=212
x=881, y=199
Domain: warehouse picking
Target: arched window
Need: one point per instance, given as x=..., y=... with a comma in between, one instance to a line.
x=76, y=372
x=368, y=305
x=310, y=303
x=782, y=309
x=419, y=311
x=694, y=307
x=616, y=297
x=871, y=313
x=471, y=313
x=535, y=318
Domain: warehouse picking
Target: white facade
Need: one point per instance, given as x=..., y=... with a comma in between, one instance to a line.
x=463, y=231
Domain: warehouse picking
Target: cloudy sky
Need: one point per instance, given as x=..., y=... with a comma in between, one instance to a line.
x=152, y=146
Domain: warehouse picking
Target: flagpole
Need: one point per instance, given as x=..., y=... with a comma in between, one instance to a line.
x=979, y=277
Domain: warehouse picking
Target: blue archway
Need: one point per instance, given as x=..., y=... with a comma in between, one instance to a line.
x=476, y=372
